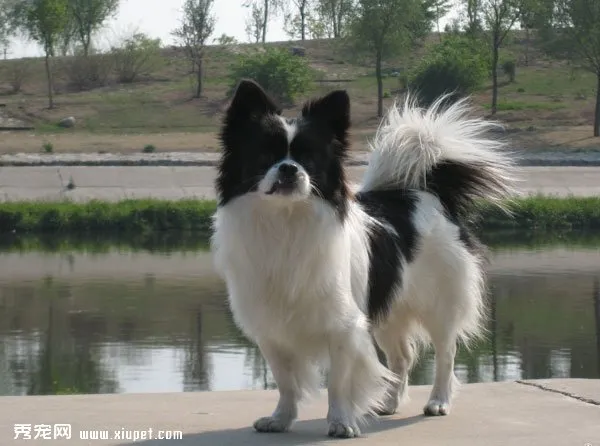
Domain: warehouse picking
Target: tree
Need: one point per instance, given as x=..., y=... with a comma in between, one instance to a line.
x=473, y=26
x=5, y=30
x=197, y=24
x=535, y=15
x=577, y=33
x=87, y=16
x=499, y=17
x=382, y=27
x=336, y=14
x=435, y=10
x=254, y=23
x=298, y=19
x=268, y=8
x=45, y=21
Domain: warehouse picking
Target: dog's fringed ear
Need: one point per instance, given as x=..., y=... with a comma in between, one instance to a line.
x=251, y=101
x=333, y=109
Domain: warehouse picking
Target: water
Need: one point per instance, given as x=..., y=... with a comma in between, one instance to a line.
x=149, y=316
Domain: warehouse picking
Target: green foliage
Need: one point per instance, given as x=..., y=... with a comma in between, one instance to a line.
x=149, y=148
x=385, y=27
x=146, y=216
x=457, y=66
x=225, y=40
x=97, y=216
x=544, y=213
x=5, y=25
x=48, y=147
x=138, y=55
x=571, y=30
x=509, y=67
x=45, y=21
x=87, y=16
x=277, y=70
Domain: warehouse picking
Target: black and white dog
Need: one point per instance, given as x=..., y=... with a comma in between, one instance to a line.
x=315, y=270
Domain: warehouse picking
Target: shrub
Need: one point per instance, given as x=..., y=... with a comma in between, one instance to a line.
x=149, y=148
x=84, y=73
x=457, y=66
x=138, y=55
x=19, y=72
x=48, y=147
x=509, y=68
x=279, y=72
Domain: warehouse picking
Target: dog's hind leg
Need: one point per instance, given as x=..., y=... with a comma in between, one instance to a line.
x=445, y=380
x=394, y=339
x=293, y=377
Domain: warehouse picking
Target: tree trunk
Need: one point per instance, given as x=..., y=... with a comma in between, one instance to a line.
x=265, y=20
x=49, y=78
x=527, y=42
x=495, y=51
x=86, y=47
x=303, y=23
x=379, y=84
x=597, y=115
x=199, y=78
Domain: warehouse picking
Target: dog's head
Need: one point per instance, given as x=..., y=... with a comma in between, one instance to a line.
x=281, y=159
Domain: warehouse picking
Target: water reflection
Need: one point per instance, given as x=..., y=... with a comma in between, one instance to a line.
x=131, y=320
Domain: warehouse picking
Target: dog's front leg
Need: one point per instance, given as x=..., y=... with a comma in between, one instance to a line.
x=282, y=365
x=341, y=417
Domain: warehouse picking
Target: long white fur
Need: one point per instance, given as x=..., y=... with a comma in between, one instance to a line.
x=411, y=140
x=297, y=278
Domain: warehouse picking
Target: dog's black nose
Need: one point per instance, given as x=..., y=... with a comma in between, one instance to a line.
x=288, y=169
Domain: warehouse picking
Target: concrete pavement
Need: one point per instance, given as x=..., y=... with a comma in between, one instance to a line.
x=549, y=413
x=113, y=183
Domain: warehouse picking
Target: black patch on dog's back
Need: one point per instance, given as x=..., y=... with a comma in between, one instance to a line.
x=391, y=242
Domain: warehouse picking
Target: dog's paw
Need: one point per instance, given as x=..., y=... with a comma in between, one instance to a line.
x=341, y=430
x=436, y=408
x=271, y=424
x=389, y=406
x=386, y=411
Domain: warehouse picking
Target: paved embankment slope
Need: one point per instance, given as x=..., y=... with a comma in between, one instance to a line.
x=115, y=183
x=549, y=413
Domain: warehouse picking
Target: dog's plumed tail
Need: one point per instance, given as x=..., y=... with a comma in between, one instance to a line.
x=442, y=150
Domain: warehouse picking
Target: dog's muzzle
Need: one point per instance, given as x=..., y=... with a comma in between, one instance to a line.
x=287, y=179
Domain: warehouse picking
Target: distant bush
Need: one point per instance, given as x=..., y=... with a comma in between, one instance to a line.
x=282, y=74
x=457, y=66
x=149, y=148
x=19, y=72
x=87, y=72
x=136, y=56
x=48, y=147
x=509, y=68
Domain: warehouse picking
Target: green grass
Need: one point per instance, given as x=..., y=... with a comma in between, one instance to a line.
x=545, y=213
x=146, y=216
x=98, y=216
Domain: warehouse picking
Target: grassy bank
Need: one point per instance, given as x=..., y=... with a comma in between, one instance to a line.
x=549, y=103
x=156, y=216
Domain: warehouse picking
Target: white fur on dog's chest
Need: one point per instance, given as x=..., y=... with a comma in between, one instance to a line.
x=283, y=276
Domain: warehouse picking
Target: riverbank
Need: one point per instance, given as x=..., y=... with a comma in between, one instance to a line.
x=574, y=157
x=548, y=412
x=139, y=216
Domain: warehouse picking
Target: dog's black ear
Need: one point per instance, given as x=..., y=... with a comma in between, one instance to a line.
x=333, y=109
x=251, y=101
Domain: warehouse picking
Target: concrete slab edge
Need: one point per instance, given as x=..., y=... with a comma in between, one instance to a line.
x=211, y=163
x=560, y=392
